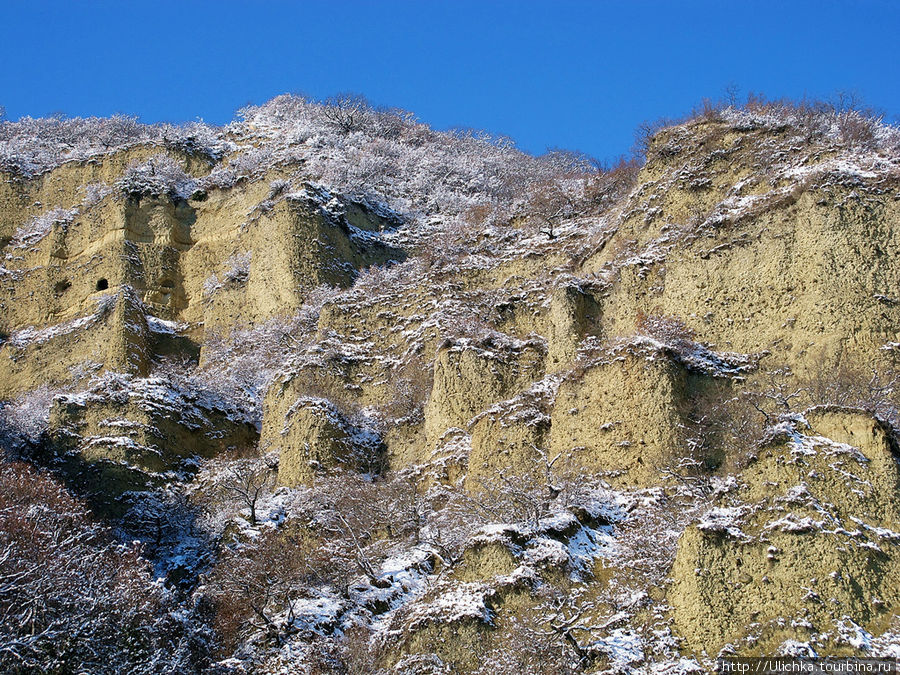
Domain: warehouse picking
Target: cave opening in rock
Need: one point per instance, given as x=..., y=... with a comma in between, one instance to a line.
x=102, y=284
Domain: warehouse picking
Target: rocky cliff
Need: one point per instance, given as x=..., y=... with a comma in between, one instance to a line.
x=473, y=409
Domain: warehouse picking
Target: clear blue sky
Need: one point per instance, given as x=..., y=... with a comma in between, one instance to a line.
x=563, y=73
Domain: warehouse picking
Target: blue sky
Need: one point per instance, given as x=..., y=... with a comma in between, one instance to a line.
x=571, y=74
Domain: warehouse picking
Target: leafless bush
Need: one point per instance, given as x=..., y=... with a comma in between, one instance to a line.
x=669, y=330
x=237, y=271
x=39, y=227
x=392, y=123
x=722, y=431
x=410, y=386
x=854, y=383
x=553, y=201
x=646, y=132
x=194, y=139
x=857, y=129
x=158, y=176
x=347, y=112
x=337, y=535
x=528, y=498
x=843, y=118
x=94, y=193
x=29, y=146
x=71, y=599
x=442, y=172
x=237, y=267
x=24, y=420
x=361, y=519
x=709, y=110
x=240, y=363
x=611, y=182
x=245, y=166
x=252, y=586
x=727, y=421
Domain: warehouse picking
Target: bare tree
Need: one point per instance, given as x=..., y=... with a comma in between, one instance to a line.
x=565, y=621
x=346, y=111
x=362, y=518
x=248, y=480
x=253, y=587
x=776, y=394
x=550, y=203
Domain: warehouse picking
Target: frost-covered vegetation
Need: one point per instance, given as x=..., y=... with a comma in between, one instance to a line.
x=74, y=598
x=29, y=147
x=159, y=175
x=384, y=156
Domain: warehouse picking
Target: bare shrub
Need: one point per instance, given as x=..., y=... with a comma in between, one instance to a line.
x=337, y=537
x=94, y=193
x=410, y=388
x=611, y=182
x=73, y=600
x=247, y=480
x=24, y=420
x=723, y=429
x=33, y=231
x=855, y=383
x=361, y=519
x=237, y=271
x=252, y=586
x=347, y=112
x=158, y=176
x=249, y=164
x=727, y=421
x=553, y=201
x=856, y=129
x=528, y=498
x=646, y=132
x=669, y=330
x=240, y=363
x=709, y=110
x=29, y=147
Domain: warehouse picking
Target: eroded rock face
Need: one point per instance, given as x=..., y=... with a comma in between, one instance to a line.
x=469, y=378
x=138, y=432
x=314, y=437
x=621, y=416
x=806, y=547
x=575, y=311
x=114, y=280
x=590, y=365
x=213, y=261
x=511, y=436
x=794, y=259
x=115, y=336
x=280, y=255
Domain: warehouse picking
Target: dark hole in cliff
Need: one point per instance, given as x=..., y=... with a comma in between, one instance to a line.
x=167, y=284
x=62, y=286
x=102, y=284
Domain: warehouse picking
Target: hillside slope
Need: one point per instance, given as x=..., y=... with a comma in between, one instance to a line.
x=378, y=398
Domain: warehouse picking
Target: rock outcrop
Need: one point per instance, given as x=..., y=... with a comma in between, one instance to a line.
x=622, y=416
x=314, y=438
x=468, y=378
x=805, y=548
x=128, y=433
